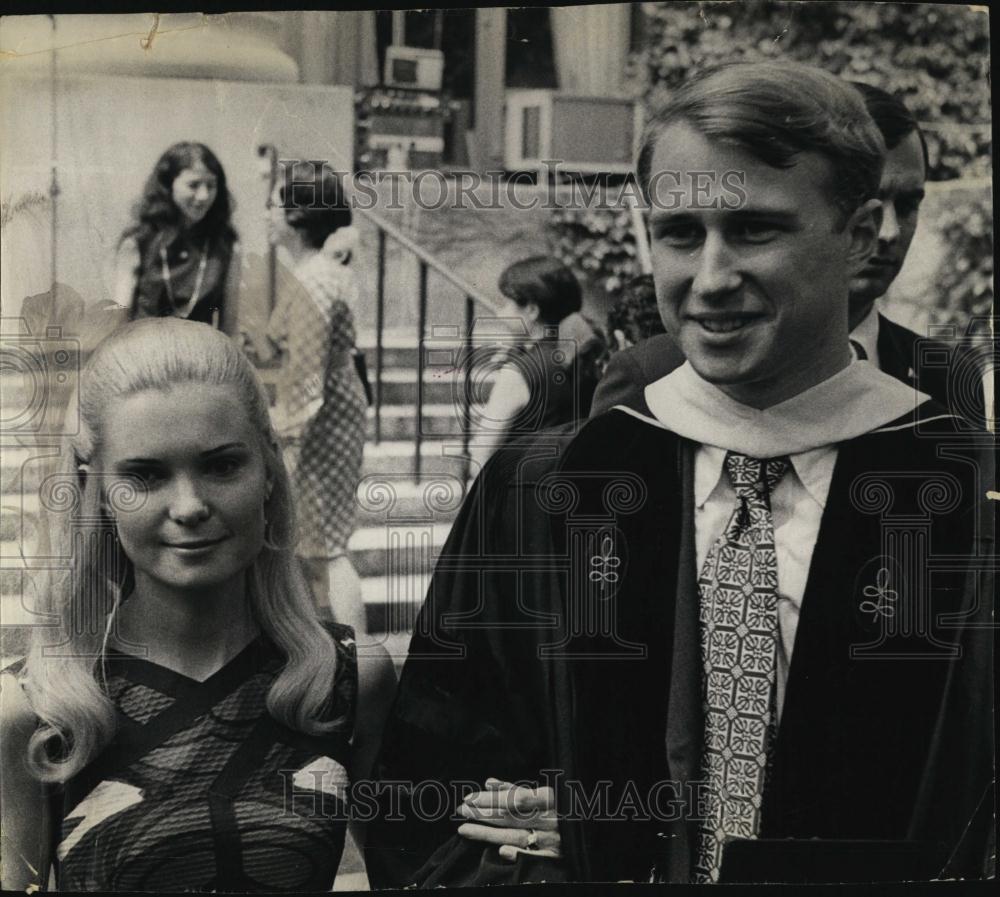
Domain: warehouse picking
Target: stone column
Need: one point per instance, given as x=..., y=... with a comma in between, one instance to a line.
x=591, y=46
x=491, y=62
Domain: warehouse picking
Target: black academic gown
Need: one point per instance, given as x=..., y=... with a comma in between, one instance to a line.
x=559, y=665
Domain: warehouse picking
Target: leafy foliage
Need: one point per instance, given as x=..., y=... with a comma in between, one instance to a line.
x=964, y=285
x=598, y=244
x=935, y=58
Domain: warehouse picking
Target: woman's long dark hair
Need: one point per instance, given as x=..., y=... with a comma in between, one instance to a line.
x=156, y=214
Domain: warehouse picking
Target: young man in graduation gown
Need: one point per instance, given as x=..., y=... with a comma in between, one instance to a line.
x=897, y=350
x=759, y=612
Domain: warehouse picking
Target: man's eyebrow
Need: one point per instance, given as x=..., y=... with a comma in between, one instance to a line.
x=763, y=212
x=225, y=447
x=657, y=215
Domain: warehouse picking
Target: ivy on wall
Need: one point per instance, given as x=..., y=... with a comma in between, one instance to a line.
x=964, y=284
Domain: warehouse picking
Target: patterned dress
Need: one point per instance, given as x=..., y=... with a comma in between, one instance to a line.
x=322, y=399
x=203, y=790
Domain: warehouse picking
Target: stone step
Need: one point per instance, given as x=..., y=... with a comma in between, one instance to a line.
x=391, y=550
x=395, y=600
x=442, y=412
x=399, y=355
x=386, y=501
x=397, y=550
x=381, y=500
x=14, y=635
x=400, y=348
x=397, y=457
x=22, y=469
x=391, y=608
x=400, y=421
x=399, y=386
x=392, y=603
x=25, y=402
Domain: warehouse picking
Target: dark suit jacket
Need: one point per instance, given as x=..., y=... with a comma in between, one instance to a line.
x=542, y=666
x=946, y=373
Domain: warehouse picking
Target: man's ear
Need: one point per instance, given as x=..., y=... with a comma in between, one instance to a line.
x=532, y=310
x=863, y=229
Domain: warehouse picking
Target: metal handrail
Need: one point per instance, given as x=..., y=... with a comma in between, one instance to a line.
x=428, y=258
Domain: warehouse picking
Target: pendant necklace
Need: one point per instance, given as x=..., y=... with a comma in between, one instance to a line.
x=199, y=279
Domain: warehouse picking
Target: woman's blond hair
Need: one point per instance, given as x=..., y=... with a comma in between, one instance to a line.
x=65, y=678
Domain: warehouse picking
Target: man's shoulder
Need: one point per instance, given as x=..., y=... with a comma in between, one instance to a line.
x=904, y=338
x=608, y=441
x=655, y=357
x=617, y=438
x=949, y=370
x=629, y=372
x=928, y=438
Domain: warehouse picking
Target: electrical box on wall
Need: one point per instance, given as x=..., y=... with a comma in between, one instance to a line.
x=414, y=68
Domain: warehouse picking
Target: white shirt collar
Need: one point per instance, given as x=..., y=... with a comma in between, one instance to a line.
x=813, y=468
x=857, y=400
x=866, y=333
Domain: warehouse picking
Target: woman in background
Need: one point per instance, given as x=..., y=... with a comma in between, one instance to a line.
x=181, y=256
x=548, y=376
x=321, y=397
x=190, y=724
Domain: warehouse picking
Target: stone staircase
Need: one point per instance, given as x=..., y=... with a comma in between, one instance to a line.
x=403, y=519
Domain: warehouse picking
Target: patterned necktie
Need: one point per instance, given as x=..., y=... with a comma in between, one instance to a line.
x=739, y=627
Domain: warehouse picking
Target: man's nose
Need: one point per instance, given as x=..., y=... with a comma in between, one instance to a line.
x=187, y=504
x=889, y=232
x=716, y=274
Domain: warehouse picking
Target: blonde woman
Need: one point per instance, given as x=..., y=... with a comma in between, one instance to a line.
x=191, y=724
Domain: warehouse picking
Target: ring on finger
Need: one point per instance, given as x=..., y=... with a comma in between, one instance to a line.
x=532, y=839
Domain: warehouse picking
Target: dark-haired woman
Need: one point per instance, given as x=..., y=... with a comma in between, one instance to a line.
x=548, y=376
x=180, y=256
x=321, y=399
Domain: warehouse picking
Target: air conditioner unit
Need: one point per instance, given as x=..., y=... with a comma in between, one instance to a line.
x=583, y=133
x=414, y=68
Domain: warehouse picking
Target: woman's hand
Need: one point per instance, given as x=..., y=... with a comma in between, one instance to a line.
x=517, y=819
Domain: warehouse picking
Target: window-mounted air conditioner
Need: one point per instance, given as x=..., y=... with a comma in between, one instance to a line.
x=582, y=133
